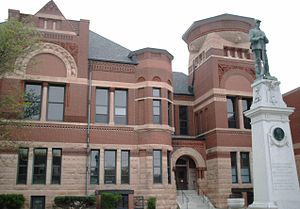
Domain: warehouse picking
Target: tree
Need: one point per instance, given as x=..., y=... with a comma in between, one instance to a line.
x=16, y=40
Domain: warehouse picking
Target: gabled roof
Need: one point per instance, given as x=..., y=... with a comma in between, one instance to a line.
x=181, y=84
x=51, y=9
x=103, y=49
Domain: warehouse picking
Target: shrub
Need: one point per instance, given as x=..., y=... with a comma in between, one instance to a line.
x=151, y=204
x=110, y=200
x=75, y=202
x=11, y=201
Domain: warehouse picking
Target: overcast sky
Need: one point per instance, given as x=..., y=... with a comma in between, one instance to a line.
x=137, y=24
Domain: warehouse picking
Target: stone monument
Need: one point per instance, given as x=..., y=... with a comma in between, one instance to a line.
x=275, y=183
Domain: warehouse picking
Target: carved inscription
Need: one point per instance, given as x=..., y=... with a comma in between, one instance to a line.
x=282, y=175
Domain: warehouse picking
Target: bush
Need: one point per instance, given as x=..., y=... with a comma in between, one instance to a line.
x=110, y=200
x=75, y=202
x=11, y=201
x=151, y=204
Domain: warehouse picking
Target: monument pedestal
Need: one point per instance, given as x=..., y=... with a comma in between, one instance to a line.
x=275, y=183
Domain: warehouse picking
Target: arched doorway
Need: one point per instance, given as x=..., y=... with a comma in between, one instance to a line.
x=185, y=173
x=188, y=166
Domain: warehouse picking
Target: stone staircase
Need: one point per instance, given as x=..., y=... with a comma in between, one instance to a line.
x=189, y=199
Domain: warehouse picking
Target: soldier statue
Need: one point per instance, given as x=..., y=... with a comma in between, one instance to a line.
x=258, y=41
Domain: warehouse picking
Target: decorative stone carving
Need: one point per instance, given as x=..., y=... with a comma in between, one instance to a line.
x=116, y=67
x=267, y=93
x=223, y=68
x=54, y=49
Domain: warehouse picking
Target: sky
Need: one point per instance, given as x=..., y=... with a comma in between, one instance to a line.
x=136, y=24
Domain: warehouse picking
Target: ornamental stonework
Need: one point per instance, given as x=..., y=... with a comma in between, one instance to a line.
x=116, y=68
x=72, y=48
x=223, y=69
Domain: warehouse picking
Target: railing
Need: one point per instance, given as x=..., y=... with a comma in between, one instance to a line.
x=204, y=199
x=206, y=202
x=184, y=199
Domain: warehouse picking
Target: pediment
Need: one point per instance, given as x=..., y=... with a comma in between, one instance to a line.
x=50, y=10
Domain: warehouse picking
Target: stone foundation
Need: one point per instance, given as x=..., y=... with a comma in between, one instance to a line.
x=73, y=175
x=218, y=181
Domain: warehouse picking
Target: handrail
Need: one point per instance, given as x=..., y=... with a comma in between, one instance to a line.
x=187, y=199
x=206, y=201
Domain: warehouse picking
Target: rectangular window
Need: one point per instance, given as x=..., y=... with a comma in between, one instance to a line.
x=234, y=176
x=22, y=166
x=32, y=99
x=156, y=111
x=39, y=166
x=121, y=107
x=245, y=167
x=56, y=166
x=156, y=92
x=246, y=103
x=56, y=98
x=169, y=114
x=110, y=167
x=231, y=112
x=94, y=175
x=101, y=106
x=157, y=166
x=169, y=167
x=125, y=166
x=183, y=120
x=37, y=202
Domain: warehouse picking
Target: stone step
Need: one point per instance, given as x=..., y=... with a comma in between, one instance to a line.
x=195, y=201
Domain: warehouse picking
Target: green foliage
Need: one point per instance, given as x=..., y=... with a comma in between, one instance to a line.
x=16, y=39
x=10, y=109
x=74, y=202
x=31, y=104
x=110, y=200
x=11, y=201
x=151, y=204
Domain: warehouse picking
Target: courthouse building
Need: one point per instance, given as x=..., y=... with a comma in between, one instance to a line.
x=112, y=119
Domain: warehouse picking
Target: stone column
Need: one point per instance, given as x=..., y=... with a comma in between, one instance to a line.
x=101, y=167
x=49, y=166
x=240, y=113
x=44, y=102
x=118, y=167
x=228, y=52
x=236, y=54
x=30, y=166
x=238, y=167
x=130, y=201
x=111, y=106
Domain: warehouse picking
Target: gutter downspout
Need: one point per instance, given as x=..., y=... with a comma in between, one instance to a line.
x=88, y=126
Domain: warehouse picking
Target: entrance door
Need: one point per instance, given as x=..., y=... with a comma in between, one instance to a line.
x=181, y=178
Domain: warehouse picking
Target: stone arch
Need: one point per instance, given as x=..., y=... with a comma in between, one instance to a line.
x=192, y=153
x=236, y=79
x=156, y=78
x=141, y=79
x=56, y=50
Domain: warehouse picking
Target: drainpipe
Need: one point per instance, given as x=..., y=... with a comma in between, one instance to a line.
x=88, y=126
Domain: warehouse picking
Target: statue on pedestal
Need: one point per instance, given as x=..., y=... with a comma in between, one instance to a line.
x=258, y=41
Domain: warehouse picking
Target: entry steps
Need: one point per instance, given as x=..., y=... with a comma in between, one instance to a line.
x=189, y=199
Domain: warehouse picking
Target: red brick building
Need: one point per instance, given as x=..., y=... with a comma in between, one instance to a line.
x=111, y=119
x=292, y=99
